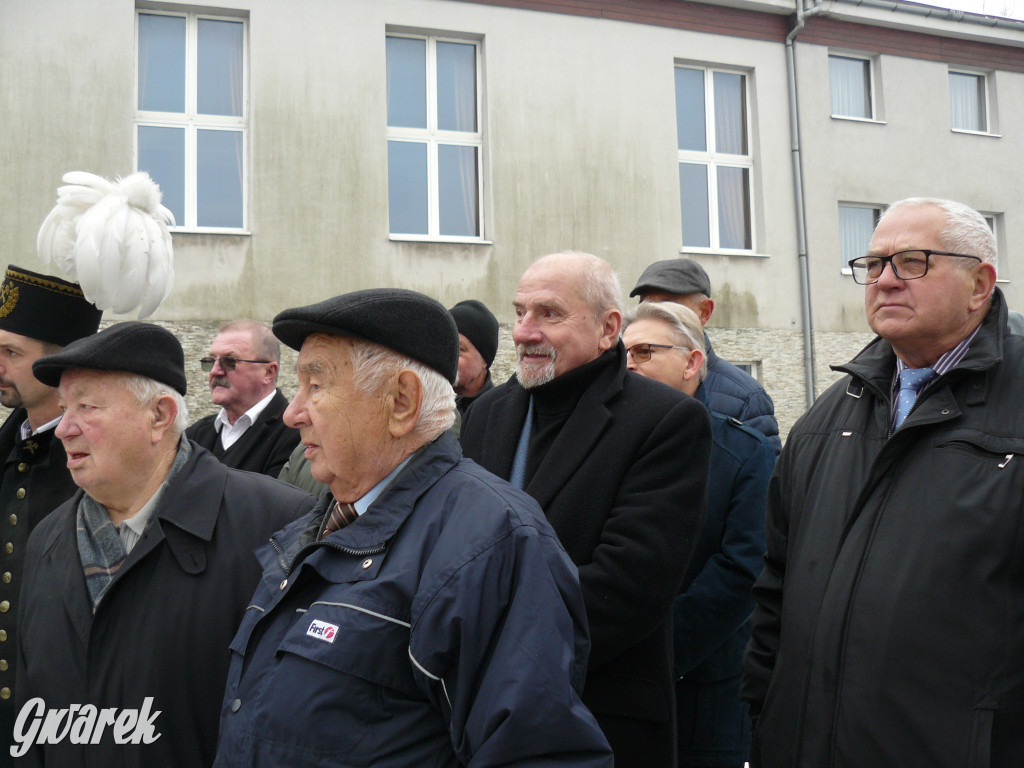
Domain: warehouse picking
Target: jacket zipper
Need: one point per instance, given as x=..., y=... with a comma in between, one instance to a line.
x=302, y=553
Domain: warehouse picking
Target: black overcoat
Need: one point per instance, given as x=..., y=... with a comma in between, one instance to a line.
x=263, y=448
x=165, y=624
x=624, y=486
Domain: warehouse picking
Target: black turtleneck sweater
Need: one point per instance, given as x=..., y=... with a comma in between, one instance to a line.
x=554, y=402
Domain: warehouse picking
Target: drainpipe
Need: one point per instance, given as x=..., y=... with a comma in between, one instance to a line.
x=803, y=265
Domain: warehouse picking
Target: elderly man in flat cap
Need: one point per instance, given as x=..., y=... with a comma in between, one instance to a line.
x=478, y=344
x=424, y=613
x=39, y=315
x=135, y=586
x=726, y=389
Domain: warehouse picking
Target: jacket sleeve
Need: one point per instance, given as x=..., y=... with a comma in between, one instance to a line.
x=718, y=600
x=758, y=412
x=650, y=534
x=766, y=621
x=500, y=649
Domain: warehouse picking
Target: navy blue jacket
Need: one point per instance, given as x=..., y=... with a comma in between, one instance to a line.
x=731, y=392
x=443, y=627
x=711, y=612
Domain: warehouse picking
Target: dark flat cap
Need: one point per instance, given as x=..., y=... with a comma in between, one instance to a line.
x=45, y=308
x=679, y=276
x=407, y=322
x=131, y=347
x=476, y=322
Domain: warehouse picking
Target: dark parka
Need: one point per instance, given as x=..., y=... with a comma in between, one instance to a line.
x=443, y=627
x=35, y=482
x=624, y=487
x=733, y=392
x=264, y=447
x=714, y=604
x=165, y=624
x=889, y=628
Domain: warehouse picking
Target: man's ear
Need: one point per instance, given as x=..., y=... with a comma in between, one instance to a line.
x=707, y=306
x=406, y=399
x=693, y=364
x=984, y=282
x=164, y=410
x=611, y=326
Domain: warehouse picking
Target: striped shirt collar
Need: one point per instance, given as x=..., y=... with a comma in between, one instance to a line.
x=946, y=362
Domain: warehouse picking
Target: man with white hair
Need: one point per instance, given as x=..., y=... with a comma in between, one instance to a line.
x=424, y=612
x=619, y=464
x=134, y=587
x=889, y=620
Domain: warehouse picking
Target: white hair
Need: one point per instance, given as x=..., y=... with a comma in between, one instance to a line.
x=966, y=230
x=373, y=364
x=145, y=390
x=681, y=320
x=598, y=284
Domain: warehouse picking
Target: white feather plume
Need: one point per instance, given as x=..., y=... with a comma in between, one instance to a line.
x=112, y=238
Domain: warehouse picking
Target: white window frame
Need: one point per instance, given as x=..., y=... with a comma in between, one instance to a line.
x=995, y=223
x=986, y=81
x=433, y=137
x=873, y=100
x=878, y=210
x=713, y=160
x=193, y=122
x=752, y=367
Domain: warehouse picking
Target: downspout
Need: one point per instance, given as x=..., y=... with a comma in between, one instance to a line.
x=801, y=220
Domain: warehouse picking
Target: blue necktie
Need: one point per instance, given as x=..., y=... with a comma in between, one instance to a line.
x=518, y=477
x=911, y=381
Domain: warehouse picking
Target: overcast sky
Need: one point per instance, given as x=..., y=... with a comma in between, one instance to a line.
x=1011, y=9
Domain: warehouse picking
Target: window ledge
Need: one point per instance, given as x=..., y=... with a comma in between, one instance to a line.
x=723, y=252
x=852, y=119
x=209, y=231
x=442, y=240
x=967, y=132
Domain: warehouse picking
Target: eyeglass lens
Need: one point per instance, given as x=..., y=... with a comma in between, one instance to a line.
x=227, y=363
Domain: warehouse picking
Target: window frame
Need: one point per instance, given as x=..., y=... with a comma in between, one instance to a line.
x=192, y=122
x=434, y=137
x=874, y=103
x=878, y=210
x=986, y=91
x=712, y=160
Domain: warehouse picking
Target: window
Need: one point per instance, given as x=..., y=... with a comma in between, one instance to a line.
x=994, y=221
x=715, y=161
x=434, y=138
x=752, y=368
x=856, y=225
x=190, y=120
x=850, y=81
x=968, y=107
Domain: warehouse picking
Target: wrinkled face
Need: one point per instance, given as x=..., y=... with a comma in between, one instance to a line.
x=239, y=390
x=472, y=368
x=106, y=433
x=555, y=330
x=669, y=366
x=926, y=317
x=18, y=387
x=344, y=430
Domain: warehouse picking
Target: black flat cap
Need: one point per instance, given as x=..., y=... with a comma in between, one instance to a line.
x=476, y=322
x=131, y=347
x=404, y=321
x=45, y=308
x=678, y=276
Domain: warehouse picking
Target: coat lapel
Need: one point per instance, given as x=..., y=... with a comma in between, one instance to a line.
x=63, y=548
x=505, y=418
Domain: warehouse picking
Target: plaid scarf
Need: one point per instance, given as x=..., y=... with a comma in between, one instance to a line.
x=99, y=543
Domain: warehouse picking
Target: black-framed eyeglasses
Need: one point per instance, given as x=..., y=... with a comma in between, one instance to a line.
x=906, y=265
x=641, y=353
x=227, y=363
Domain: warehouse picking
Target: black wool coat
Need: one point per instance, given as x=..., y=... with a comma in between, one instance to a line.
x=624, y=486
x=163, y=628
x=265, y=446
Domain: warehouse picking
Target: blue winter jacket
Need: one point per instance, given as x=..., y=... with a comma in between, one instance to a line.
x=443, y=627
x=732, y=392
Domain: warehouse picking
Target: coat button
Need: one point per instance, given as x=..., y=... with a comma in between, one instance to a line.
x=3, y=665
x=7, y=577
x=5, y=693
x=5, y=606
x=9, y=548
x=13, y=519
x=21, y=493
x=3, y=635
x=236, y=705
x=367, y=563
x=284, y=584
x=23, y=467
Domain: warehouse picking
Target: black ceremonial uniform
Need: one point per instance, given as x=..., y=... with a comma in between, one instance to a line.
x=35, y=481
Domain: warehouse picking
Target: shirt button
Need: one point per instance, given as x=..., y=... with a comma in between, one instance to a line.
x=13, y=519
x=23, y=467
x=21, y=493
x=7, y=577
x=5, y=693
x=236, y=705
x=284, y=584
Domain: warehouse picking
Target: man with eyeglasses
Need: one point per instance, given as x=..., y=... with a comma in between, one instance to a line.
x=889, y=620
x=248, y=432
